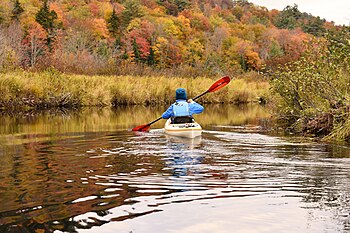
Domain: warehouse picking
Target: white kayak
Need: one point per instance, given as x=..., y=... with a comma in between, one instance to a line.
x=187, y=130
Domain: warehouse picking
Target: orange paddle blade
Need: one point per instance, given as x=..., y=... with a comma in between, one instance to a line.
x=219, y=84
x=142, y=128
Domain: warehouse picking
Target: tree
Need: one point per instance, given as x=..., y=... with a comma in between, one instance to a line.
x=314, y=26
x=2, y=18
x=113, y=23
x=194, y=52
x=132, y=10
x=11, y=49
x=17, y=10
x=291, y=18
x=174, y=7
x=136, y=51
x=35, y=46
x=288, y=18
x=48, y=20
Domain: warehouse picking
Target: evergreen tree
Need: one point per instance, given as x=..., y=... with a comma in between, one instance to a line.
x=151, y=60
x=17, y=10
x=136, y=50
x=314, y=26
x=113, y=23
x=243, y=63
x=132, y=10
x=288, y=18
x=2, y=18
x=48, y=20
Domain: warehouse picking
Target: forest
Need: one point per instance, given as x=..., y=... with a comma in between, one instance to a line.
x=146, y=37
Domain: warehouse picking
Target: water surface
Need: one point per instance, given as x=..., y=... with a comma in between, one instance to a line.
x=86, y=172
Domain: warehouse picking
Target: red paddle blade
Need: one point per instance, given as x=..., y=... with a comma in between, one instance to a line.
x=219, y=84
x=142, y=128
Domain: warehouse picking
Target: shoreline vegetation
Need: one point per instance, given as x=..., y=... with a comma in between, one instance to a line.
x=24, y=90
x=311, y=95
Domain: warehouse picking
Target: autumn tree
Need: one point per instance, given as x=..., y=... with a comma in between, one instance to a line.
x=11, y=49
x=35, y=45
x=17, y=10
x=174, y=7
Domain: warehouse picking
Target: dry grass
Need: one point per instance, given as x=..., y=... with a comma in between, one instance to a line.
x=54, y=89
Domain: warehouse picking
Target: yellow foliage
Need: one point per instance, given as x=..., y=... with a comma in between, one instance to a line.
x=169, y=27
x=105, y=9
x=217, y=21
x=194, y=50
x=134, y=24
x=159, y=48
x=253, y=60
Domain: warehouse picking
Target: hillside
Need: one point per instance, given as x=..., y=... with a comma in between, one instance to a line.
x=134, y=36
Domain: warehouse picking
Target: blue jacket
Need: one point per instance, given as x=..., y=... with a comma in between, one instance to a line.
x=193, y=108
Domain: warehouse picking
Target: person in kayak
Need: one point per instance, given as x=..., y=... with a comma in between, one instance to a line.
x=182, y=110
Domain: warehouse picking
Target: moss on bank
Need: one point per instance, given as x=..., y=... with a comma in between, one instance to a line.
x=27, y=90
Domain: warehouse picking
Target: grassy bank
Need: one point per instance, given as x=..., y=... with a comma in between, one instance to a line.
x=23, y=90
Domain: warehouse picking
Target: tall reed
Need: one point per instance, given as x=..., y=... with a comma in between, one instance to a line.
x=22, y=89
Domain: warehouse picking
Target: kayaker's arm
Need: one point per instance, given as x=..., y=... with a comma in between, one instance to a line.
x=195, y=108
x=168, y=113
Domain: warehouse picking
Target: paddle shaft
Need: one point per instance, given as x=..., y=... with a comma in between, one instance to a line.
x=200, y=95
x=155, y=121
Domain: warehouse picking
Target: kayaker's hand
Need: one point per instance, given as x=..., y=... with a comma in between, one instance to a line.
x=189, y=100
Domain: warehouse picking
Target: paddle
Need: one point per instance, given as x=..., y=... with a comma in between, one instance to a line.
x=216, y=86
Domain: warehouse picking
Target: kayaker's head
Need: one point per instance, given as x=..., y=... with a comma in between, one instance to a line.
x=181, y=94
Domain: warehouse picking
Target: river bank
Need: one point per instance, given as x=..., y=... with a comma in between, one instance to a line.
x=49, y=89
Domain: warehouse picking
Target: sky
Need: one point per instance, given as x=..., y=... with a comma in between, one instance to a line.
x=337, y=11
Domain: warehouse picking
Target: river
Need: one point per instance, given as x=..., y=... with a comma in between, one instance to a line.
x=85, y=171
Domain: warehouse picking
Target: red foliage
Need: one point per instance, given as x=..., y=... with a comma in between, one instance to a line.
x=94, y=9
x=34, y=44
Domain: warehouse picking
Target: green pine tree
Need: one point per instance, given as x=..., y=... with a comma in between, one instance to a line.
x=136, y=50
x=48, y=20
x=17, y=10
x=151, y=60
x=113, y=23
x=132, y=10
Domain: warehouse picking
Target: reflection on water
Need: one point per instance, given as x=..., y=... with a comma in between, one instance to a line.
x=86, y=172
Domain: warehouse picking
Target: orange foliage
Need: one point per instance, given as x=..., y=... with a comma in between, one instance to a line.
x=100, y=28
x=253, y=60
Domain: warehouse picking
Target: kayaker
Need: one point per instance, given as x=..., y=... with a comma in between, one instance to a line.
x=182, y=110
